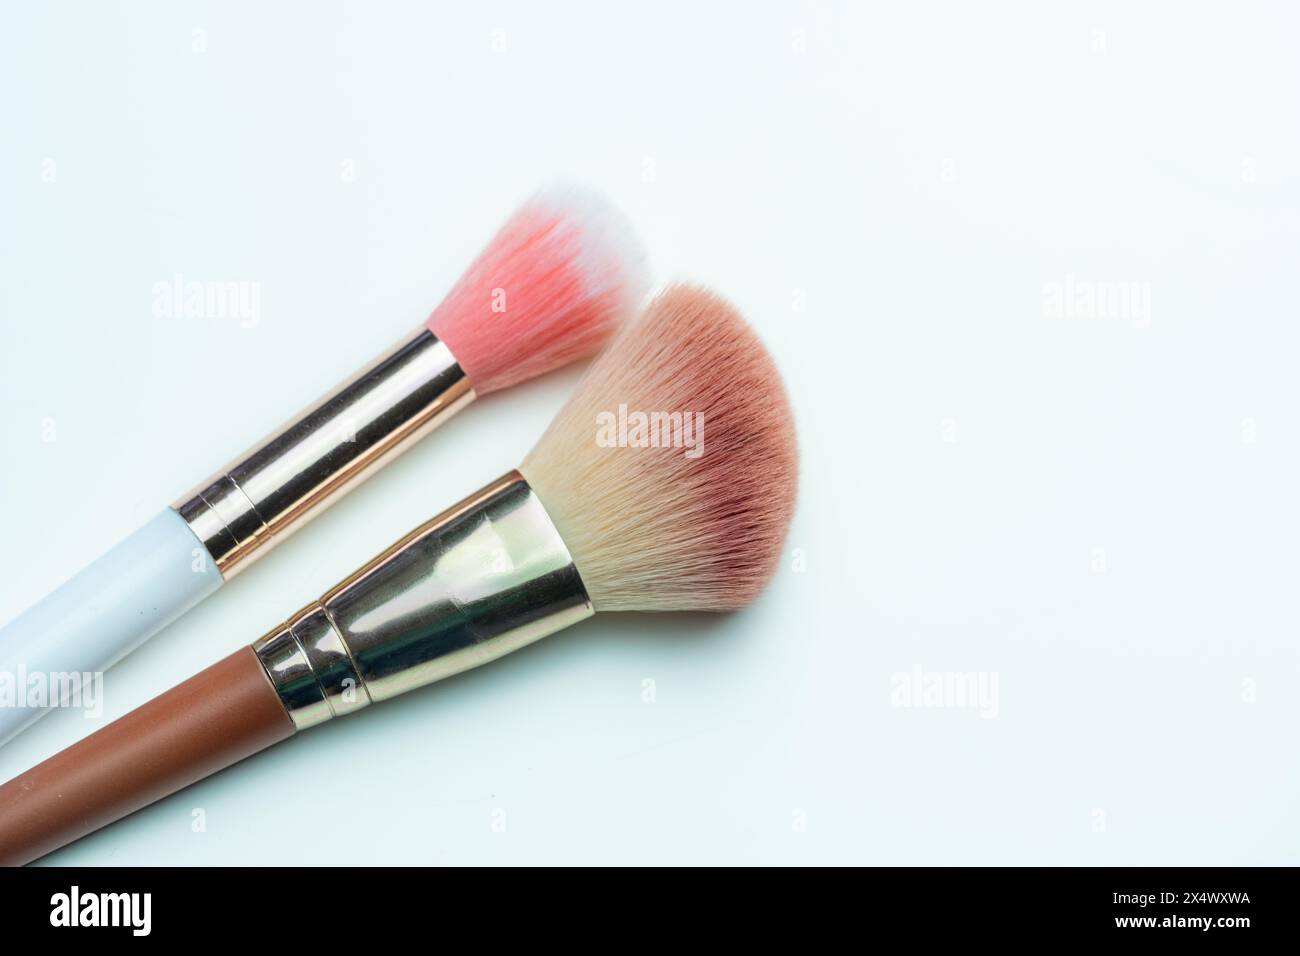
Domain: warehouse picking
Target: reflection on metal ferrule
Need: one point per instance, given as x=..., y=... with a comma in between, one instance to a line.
x=482, y=579
x=335, y=444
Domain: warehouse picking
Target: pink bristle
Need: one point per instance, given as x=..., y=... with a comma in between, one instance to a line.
x=651, y=528
x=550, y=288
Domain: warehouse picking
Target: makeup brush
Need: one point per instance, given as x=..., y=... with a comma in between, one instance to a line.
x=619, y=507
x=561, y=273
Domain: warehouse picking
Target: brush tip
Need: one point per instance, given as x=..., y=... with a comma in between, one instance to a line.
x=671, y=473
x=555, y=281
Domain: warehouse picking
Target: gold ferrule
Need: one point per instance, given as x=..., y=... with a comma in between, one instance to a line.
x=258, y=500
x=484, y=578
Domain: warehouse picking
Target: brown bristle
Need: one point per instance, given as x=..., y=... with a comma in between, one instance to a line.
x=670, y=516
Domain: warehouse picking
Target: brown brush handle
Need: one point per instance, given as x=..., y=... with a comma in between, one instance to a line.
x=216, y=718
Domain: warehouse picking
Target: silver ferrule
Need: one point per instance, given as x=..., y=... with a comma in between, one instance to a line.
x=485, y=578
x=258, y=500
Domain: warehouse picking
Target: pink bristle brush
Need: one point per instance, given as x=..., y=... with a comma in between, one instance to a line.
x=551, y=286
x=588, y=524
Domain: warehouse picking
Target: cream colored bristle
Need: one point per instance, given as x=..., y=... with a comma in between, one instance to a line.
x=671, y=472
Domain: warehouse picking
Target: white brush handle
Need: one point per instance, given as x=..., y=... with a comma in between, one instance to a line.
x=101, y=615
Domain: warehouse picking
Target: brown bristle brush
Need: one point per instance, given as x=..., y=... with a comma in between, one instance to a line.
x=665, y=484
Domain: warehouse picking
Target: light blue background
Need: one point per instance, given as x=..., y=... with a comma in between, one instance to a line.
x=1101, y=512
